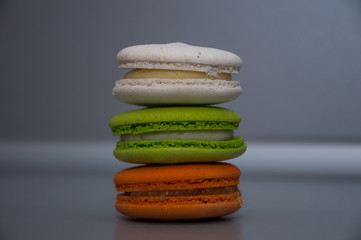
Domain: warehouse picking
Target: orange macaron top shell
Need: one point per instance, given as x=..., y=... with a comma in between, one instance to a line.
x=178, y=192
x=164, y=176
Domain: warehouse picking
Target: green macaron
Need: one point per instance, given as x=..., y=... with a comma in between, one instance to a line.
x=177, y=135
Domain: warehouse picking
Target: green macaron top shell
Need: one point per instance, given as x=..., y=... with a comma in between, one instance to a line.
x=173, y=119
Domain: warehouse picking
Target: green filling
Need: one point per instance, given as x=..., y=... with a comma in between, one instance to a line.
x=233, y=143
x=172, y=126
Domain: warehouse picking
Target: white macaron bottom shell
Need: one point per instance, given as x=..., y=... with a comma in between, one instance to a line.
x=162, y=92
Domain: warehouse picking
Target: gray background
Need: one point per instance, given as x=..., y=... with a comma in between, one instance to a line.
x=301, y=81
x=301, y=74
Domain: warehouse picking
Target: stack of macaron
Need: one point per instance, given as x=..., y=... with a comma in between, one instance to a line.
x=177, y=136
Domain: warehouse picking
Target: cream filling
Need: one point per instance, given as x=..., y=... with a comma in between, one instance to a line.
x=208, y=135
x=184, y=192
x=174, y=74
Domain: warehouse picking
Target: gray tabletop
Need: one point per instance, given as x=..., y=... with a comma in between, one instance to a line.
x=43, y=200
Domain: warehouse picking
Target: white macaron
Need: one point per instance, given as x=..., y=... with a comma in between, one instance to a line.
x=177, y=74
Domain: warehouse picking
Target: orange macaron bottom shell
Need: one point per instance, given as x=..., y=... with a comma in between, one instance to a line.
x=178, y=192
x=178, y=211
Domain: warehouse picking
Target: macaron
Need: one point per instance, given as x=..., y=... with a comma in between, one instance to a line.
x=177, y=135
x=177, y=74
x=178, y=192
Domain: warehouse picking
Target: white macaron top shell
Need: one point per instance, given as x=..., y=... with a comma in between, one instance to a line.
x=179, y=56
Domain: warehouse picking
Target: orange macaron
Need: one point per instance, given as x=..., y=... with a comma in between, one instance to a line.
x=178, y=192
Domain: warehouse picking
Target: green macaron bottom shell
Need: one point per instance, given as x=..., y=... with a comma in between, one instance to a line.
x=179, y=151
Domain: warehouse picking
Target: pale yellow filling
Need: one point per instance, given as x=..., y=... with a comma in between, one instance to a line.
x=174, y=74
